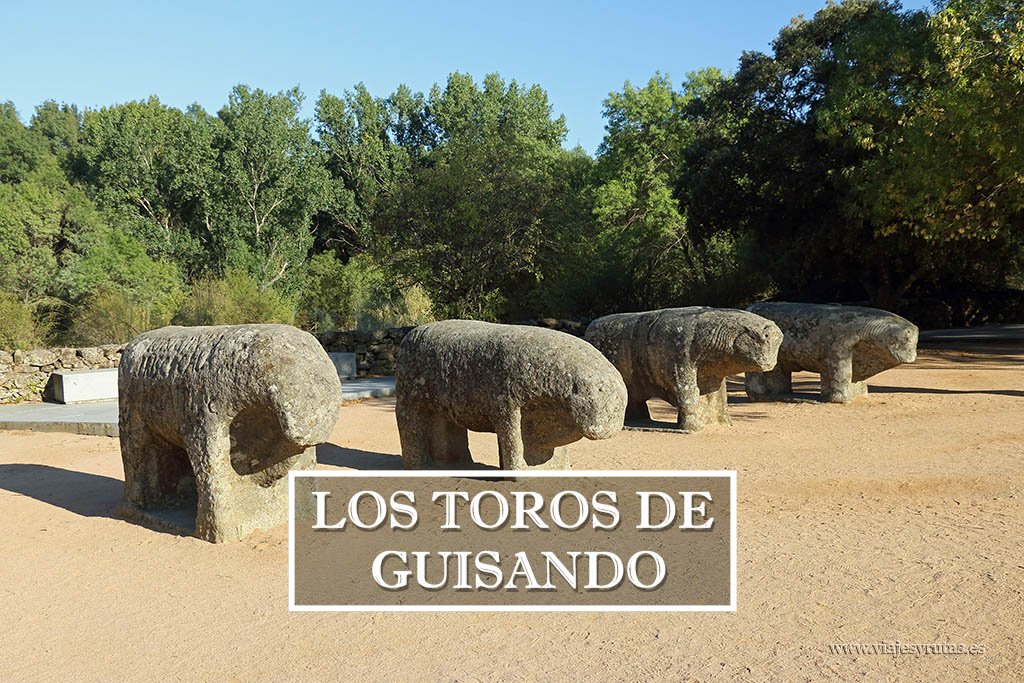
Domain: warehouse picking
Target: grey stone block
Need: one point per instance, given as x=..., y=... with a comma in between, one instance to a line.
x=537, y=389
x=344, y=363
x=683, y=355
x=220, y=415
x=78, y=386
x=844, y=344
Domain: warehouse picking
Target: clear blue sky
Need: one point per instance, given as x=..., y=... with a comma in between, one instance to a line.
x=100, y=53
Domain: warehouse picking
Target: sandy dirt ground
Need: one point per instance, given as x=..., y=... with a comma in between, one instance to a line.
x=896, y=518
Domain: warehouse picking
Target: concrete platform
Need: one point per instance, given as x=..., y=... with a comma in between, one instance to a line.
x=96, y=419
x=99, y=418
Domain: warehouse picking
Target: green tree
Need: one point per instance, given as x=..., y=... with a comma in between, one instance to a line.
x=484, y=191
x=112, y=260
x=154, y=168
x=61, y=126
x=947, y=174
x=23, y=151
x=235, y=299
x=369, y=145
x=787, y=147
x=357, y=294
x=273, y=183
x=650, y=255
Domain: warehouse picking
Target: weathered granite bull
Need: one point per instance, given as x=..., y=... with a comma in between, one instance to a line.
x=537, y=389
x=844, y=344
x=683, y=355
x=221, y=414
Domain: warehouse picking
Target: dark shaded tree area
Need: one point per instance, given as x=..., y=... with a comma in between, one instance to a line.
x=872, y=154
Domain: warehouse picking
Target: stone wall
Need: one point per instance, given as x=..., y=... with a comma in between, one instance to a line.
x=25, y=375
x=573, y=327
x=376, y=351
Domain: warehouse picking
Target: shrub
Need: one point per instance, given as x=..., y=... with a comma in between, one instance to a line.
x=358, y=295
x=116, y=289
x=115, y=316
x=19, y=328
x=235, y=299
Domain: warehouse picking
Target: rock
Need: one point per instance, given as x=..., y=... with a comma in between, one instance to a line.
x=6, y=357
x=91, y=355
x=844, y=344
x=572, y=327
x=111, y=350
x=40, y=357
x=683, y=355
x=222, y=413
x=537, y=389
x=66, y=357
x=27, y=380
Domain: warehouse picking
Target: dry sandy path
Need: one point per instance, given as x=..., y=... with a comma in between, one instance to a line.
x=897, y=518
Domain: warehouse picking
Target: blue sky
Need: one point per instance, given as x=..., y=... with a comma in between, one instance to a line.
x=99, y=53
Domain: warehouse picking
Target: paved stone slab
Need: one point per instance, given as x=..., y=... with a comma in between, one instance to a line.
x=985, y=333
x=79, y=386
x=97, y=419
x=100, y=417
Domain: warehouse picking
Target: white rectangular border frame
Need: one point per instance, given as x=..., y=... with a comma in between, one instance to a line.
x=476, y=474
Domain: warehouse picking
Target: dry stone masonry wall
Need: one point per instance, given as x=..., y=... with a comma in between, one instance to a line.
x=25, y=375
x=377, y=351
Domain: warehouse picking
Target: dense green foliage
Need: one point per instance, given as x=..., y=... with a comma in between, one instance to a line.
x=873, y=154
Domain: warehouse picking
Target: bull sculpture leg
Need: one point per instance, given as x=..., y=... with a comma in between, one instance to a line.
x=837, y=385
x=762, y=385
x=508, y=427
x=636, y=406
x=522, y=447
x=428, y=437
x=163, y=477
x=210, y=454
x=448, y=443
x=687, y=400
x=231, y=505
x=714, y=403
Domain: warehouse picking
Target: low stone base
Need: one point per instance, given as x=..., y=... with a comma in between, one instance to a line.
x=654, y=426
x=176, y=520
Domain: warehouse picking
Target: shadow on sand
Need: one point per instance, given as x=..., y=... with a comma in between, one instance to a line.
x=88, y=495
x=339, y=456
x=877, y=389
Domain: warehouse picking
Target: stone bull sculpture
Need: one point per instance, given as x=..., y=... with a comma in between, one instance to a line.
x=221, y=414
x=844, y=344
x=537, y=389
x=683, y=355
